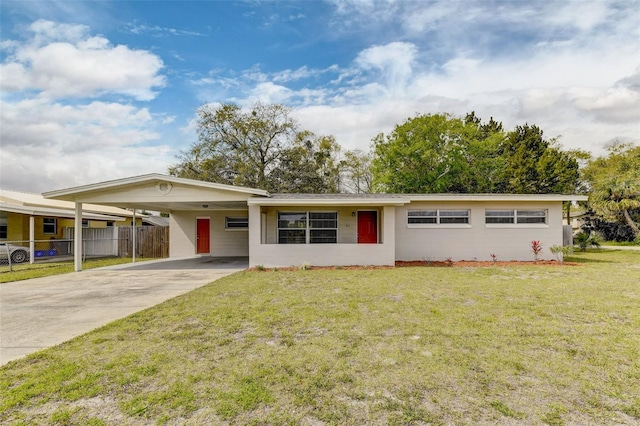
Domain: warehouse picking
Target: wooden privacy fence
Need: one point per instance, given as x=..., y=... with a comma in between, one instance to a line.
x=151, y=241
x=95, y=241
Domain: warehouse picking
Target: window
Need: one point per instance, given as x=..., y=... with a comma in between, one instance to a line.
x=49, y=226
x=292, y=228
x=236, y=223
x=516, y=216
x=454, y=216
x=531, y=216
x=442, y=217
x=422, y=216
x=323, y=228
x=499, y=216
x=3, y=225
x=85, y=223
x=307, y=227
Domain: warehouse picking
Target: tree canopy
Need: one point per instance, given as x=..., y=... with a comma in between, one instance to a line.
x=614, y=184
x=441, y=153
x=262, y=147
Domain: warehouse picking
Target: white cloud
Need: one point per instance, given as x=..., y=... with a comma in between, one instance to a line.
x=62, y=60
x=54, y=130
x=46, y=146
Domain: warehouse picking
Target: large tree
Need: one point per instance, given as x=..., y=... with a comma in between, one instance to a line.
x=310, y=165
x=535, y=165
x=614, y=184
x=356, y=176
x=260, y=147
x=439, y=153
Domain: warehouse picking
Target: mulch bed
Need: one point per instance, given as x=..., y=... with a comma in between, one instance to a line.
x=428, y=263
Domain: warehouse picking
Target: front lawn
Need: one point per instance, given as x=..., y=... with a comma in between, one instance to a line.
x=418, y=345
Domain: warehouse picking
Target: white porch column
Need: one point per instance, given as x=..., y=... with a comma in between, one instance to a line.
x=389, y=232
x=32, y=237
x=255, y=233
x=133, y=256
x=77, y=239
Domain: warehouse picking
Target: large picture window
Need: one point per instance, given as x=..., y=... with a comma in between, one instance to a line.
x=49, y=226
x=307, y=227
x=437, y=217
x=516, y=216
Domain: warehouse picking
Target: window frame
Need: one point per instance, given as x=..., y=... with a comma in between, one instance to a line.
x=520, y=218
x=45, y=225
x=439, y=220
x=236, y=220
x=4, y=225
x=322, y=228
x=308, y=228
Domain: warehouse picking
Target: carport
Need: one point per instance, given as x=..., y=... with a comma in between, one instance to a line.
x=200, y=212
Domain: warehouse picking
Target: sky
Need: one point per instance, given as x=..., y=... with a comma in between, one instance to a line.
x=99, y=90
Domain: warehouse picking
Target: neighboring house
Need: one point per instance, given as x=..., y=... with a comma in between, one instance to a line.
x=577, y=219
x=155, y=221
x=335, y=229
x=26, y=216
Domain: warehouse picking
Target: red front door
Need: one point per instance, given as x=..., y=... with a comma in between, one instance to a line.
x=202, y=237
x=367, y=227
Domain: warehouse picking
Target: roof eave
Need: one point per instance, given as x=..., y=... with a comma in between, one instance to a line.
x=328, y=202
x=69, y=194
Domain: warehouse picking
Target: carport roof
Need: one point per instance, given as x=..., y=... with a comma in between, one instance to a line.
x=157, y=192
x=71, y=194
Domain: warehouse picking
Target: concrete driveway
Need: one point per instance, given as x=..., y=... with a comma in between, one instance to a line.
x=43, y=312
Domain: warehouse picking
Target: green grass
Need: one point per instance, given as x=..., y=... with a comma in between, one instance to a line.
x=25, y=271
x=621, y=243
x=519, y=345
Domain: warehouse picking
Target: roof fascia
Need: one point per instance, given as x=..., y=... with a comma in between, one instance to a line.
x=57, y=213
x=497, y=197
x=70, y=193
x=328, y=202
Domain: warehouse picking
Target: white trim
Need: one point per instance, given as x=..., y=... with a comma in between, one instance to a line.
x=496, y=197
x=515, y=225
x=327, y=202
x=70, y=193
x=438, y=226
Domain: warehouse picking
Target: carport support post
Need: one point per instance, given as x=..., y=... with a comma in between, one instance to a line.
x=77, y=239
x=133, y=256
x=32, y=238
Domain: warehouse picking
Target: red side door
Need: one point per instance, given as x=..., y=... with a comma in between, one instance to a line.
x=367, y=227
x=202, y=237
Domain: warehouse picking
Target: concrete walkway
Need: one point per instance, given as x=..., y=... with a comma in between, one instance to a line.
x=43, y=312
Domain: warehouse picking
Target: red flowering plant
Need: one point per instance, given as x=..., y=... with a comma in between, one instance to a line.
x=536, y=248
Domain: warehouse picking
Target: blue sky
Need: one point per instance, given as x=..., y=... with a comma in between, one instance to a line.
x=92, y=91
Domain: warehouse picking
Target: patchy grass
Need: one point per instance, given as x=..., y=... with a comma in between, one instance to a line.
x=25, y=271
x=452, y=345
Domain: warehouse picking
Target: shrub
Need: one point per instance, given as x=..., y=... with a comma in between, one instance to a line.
x=305, y=266
x=536, y=248
x=561, y=251
x=583, y=240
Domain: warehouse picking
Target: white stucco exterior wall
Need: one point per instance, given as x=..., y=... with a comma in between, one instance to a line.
x=343, y=253
x=477, y=241
x=224, y=243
